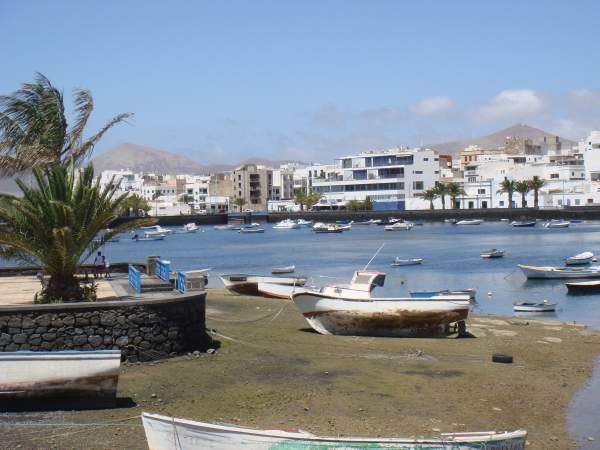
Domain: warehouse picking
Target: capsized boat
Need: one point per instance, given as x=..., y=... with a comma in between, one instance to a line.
x=523, y=224
x=580, y=259
x=470, y=222
x=407, y=262
x=546, y=272
x=399, y=226
x=60, y=375
x=557, y=224
x=281, y=270
x=544, y=306
x=492, y=253
x=351, y=310
x=248, y=284
x=583, y=287
x=169, y=433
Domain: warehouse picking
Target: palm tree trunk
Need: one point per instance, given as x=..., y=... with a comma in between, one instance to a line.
x=63, y=287
x=535, y=198
x=523, y=200
x=443, y=197
x=510, y=201
x=430, y=204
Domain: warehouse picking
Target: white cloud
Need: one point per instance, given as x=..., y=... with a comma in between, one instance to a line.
x=432, y=105
x=584, y=98
x=515, y=105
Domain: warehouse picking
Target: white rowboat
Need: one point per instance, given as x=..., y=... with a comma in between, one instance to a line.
x=470, y=222
x=280, y=270
x=581, y=258
x=557, y=224
x=549, y=272
x=248, y=284
x=407, y=262
x=492, y=253
x=399, y=226
x=544, y=306
x=169, y=433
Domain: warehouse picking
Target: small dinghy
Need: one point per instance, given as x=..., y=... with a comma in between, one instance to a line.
x=280, y=270
x=557, y=224
x=451, y=221
x=544, y=306
x=399, y=226
x=321, y=227
x=169, y=433
x=471, y=293
x=559, y=272
x=470, y=222
x=251, y=230
x=492, y=253
x=136, y=238
x=580, y=259
x=407, y=262
x=523, y=224
x=583, y=287
x=248, y=284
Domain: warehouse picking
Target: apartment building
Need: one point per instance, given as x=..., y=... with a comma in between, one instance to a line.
x=252, y=183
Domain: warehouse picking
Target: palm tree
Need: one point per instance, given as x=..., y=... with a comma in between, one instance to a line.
x=430, y=195
x=536, y=183
x=239, y=202
x=300, y=198
x=60, y=223
x=34, y=130
x=441, y=190
x=508, y=187
x=523, y=187
x=454, y=190
x=312, y=198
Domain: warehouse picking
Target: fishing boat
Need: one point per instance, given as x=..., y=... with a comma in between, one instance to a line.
x=248, y=284
x=407, y=262
x=68, y=374
x=157, y=229
x=470, y=293
x=470, y=222
x=399, y=226
x=281, y=270
x=523, y=224
x=169, y=433
x=583, y=287
x=549, y=272
x=321, y=227
x=154, y=234
x=557, y=224
x=286, y=224
x=492, y=253
x=544, y=306
x=251, y=230
x=136, y=238
x=580, y=259
x=273, y=290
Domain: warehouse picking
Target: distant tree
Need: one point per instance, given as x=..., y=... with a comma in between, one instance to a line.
x=441, y=190
x=187, y=198
x=368, y=204
x=311, y=199
x=508, y=187
x=300, y=198
x=239, y=202
x=136, y=203
x=536, y=183
x=454, y=190
x=429, y=195
x=354, y=205
x=523, y=187
x=34, y=130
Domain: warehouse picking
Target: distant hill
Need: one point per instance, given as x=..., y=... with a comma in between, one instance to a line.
x=497, y=139
x=139, y=158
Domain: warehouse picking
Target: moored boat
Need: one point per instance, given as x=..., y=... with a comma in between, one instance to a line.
x=470, y=293
x=304, y=223
x=523, y=224
x=250, y=230
x=224, y=227
x=399, y=226
x=492, y=253
x=248, y=284
x=190, y=227
x=580, y=259
x=584, y=287
x=470, y=222
x=544, y=306
x=169, y=433
x=157, y=229
x=155, y=234
x=287, y=224
x=280, y=270
x=407, y=262
x=83, y=375
x=136, y=238
x=549, y=272
x=321, y=227
x=451, y=221
x=557, y=224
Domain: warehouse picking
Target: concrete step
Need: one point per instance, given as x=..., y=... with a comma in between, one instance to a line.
x=155, y=284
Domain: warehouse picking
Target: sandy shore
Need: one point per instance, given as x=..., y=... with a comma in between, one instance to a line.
x=272, y=370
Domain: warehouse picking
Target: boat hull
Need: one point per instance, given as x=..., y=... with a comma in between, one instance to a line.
x=89, y=375
x=380, y=317
x=248, y=284
x=536, y=272
x=583, y=288
x=167, y=433
x=281, y=291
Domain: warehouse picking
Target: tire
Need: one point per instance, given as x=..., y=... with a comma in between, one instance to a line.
x=500, y=358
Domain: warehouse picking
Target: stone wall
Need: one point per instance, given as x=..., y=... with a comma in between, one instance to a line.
x=143, y=330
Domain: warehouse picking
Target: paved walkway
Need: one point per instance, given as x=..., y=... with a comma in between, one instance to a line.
x=21, y=289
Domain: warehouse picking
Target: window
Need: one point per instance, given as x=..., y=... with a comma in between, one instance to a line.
x=501, y=203
x=418, y=172
x=554, y=176
x=418, y=185
x=472, y=179
x=484, y=205
x=481, y=191
x=436, y=172
x=471, y=205
x=577, y=201
x=425, y=159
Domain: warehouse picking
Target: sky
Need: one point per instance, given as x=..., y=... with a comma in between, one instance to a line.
x=220, y=81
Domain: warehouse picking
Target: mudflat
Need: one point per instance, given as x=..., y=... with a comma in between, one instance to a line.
x=271, y=370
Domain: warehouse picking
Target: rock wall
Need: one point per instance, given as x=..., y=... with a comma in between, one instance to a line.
x=143, y=330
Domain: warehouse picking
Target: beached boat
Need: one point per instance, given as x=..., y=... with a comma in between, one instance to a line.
x=523, y=224
x=470, y=293
x=169, y=433
x=399, y=226
x=492, y=253
x=583, y=287
x=580, y=259
x=470, y=222
x=280, y=290
x=286, y=224
x=544, y=306
x=251, y=230
x=69, y=374
x=281, y=270
x=549, y=272
x=248, y=284
x=557, y=224
x=407, y=262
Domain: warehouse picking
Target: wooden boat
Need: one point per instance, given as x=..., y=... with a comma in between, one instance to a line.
x=580, y=259
x=557, y=224
x=470, y=222
x=407, y=262
x=169, y=433
x=583, y=287
x=523, y=224
x=282, y=270
x=399, y=226
x=492, y=253
x=549, y=272
x=60, y=375
x=251, y=230
x=544, y=306
x=248, y=284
